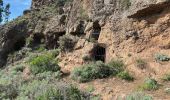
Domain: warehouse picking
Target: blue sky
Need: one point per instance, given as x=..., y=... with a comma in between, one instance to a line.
x=17, y=7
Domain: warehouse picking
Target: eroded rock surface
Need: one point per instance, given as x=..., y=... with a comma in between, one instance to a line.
x=123, y=25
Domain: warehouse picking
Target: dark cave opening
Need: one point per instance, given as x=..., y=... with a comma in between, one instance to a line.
x=52, y=39
x=61, y=33
x=37, y=38
x=99, y=53
x=96, y=30
x=19, y=44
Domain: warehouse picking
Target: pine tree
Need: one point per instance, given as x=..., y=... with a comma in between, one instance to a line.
x=4, y=12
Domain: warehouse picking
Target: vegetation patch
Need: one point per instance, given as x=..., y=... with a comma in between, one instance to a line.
x=118, y=65
x=43, y=90
x=149, y=84
x=43, y=63
x=48, y=75
x=90, y=88
x=67, y=43
x=162, y=57
x=42, y=86
x=125, y=75
x=98, y=70
x=91, y=71
x=138, y=96
x=18, y=68
x=8, y=92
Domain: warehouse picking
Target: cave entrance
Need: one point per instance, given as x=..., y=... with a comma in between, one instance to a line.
x=37, y=38
x=99, y=53
x=19, y=44
x=96, y=30
x=52, y=39
x=61, y=33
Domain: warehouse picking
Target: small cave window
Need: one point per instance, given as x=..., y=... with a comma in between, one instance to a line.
x=19, y=44
x=96, y=30
x=38, y=38
x=99, y=53
x=52, y=39
x=61, y=33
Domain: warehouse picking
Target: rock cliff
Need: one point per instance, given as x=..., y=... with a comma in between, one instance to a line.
x=121, y=21
x=114, y=28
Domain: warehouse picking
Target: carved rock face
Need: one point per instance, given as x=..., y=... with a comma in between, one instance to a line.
x=78, y=17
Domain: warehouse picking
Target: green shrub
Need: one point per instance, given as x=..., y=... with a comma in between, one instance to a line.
x=98, y=70
x=10, y=77
x=118, y=65
x=43, y=63
x=67, y=43
x=47, y=90
x=140, y=63
x=138, y=96
x=54, y=53
x=119, y=68
x=48, y=75
x=125, y=75
x=92, y=71
x=9, y=83
x=90, y=88
x=41, y=48
x=8, y=92
x=74, y=93
x=162, y=57
x=19, y=68
x=34, y=89
x=51, y=93
x=149, y=84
